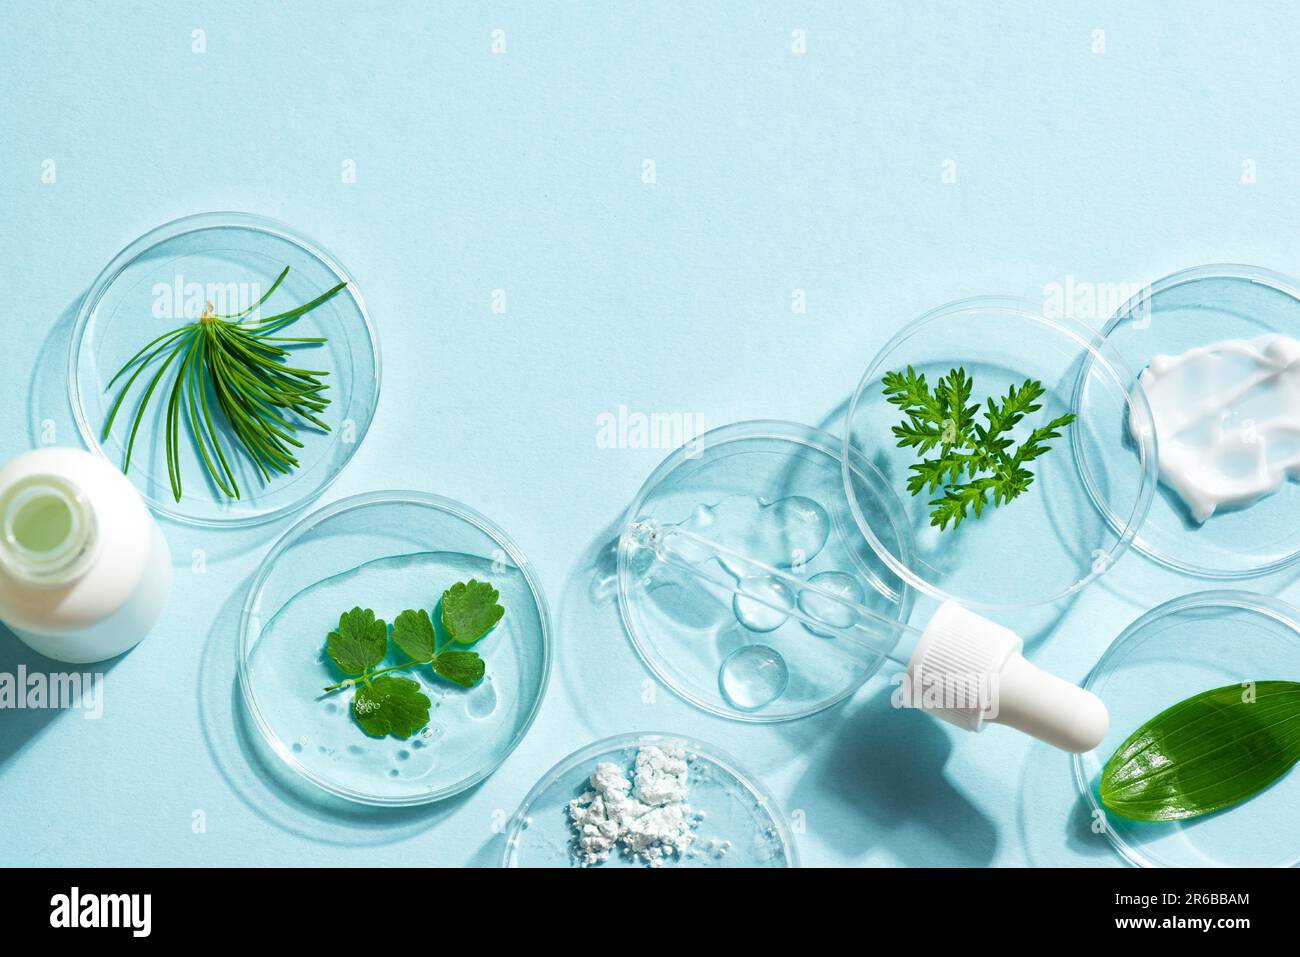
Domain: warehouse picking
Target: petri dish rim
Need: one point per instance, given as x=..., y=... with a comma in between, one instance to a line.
x=636, y=739
x=244, y=646
x=1135, y=305
x=182, y=226
x=1088, y=340
x=777, y=430
x=1283, y=613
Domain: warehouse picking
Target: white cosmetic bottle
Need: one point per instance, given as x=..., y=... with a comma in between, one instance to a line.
x=84, y=568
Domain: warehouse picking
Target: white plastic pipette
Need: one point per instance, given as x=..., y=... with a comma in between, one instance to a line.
x=961, y=667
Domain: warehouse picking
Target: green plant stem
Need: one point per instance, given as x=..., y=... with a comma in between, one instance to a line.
x=359, y=679
x=375, y=674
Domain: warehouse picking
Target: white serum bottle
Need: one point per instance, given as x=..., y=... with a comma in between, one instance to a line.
x=84, y=568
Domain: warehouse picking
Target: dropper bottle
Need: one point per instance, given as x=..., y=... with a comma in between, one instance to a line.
x=961, y=667
x=84, y=568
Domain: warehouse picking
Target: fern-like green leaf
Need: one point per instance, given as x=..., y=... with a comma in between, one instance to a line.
x=979, y=464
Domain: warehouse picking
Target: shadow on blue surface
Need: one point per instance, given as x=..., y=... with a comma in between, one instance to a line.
x=887, y=765
x=20, y=727
x=1052, y=816
x=1083, y=839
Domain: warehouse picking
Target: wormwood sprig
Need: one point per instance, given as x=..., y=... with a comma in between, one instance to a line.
x=233, y=369
x=976, y=460
x=391, y=704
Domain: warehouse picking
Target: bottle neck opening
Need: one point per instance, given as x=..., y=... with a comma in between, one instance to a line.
x=47, y=529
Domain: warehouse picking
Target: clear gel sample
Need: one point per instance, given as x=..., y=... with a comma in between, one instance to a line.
x=785, y=533
x=752, y=677
x=763, y=612
x=825, y=608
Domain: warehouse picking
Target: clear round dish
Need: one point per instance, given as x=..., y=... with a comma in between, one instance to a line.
x=1090, y=493
x=390, y=551
x=1192, y=644
x=1197, y=307
x=772, y=491
x=741, y=824
x=163, y=280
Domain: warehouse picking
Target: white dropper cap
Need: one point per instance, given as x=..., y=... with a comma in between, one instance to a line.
x=968, y=671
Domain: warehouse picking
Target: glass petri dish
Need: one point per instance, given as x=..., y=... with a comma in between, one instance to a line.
x=164, y=279
x=771, y=491
x=1178, y=649
x=389, y=551
x=1090, y=493
x=740, y=826
x=1193, y=308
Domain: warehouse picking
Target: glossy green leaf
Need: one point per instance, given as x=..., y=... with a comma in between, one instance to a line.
x=465, y=668
x=391, y=705
x=1206, y=753
x=413, y=633
x=359, y=643
x=470, y=611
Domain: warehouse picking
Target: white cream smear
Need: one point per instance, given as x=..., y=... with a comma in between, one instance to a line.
x=1227, y=420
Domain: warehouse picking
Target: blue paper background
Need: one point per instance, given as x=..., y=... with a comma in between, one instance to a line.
x=776, y=171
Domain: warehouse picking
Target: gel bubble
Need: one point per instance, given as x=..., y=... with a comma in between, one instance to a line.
x=762, y=611
x=753, y=677
x=783, y=533
x=826, y=609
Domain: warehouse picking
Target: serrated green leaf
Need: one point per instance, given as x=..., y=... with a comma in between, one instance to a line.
x=413, y=633
x=463, y=667
x=390, y=705
x=983, y=453
x=470, y=610
x=1206, y=753
x=360, y=641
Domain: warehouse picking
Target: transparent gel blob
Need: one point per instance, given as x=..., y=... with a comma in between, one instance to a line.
x=757, y=613
x=481, y=701
x=752, y=677
x=826, y=609
x=784, y=533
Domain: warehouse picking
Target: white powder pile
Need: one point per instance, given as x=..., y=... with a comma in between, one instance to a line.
x=648, y=816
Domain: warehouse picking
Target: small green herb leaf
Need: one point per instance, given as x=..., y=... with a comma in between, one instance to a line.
x=1206, y=753
x=360, y=642
x=391, y=705
x=413, y=633
x=463, y=667
x=469, y=610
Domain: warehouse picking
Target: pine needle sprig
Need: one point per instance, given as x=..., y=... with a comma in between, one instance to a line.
x=978, y=464
x=229, y=372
